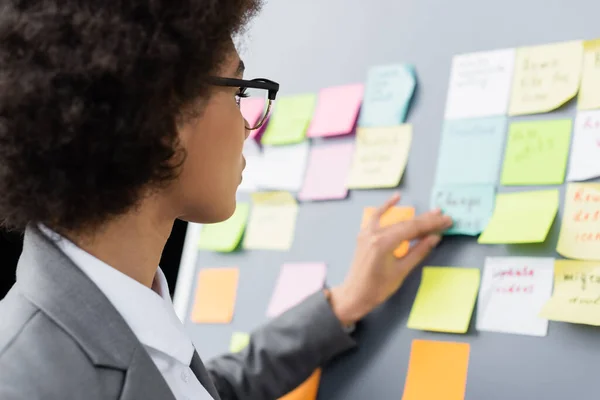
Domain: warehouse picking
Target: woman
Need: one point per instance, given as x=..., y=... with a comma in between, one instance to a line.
x=116, y=118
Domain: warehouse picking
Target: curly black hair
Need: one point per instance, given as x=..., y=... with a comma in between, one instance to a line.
x=90, y=96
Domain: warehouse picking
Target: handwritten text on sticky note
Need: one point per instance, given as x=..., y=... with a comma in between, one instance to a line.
x=537, y=152
x=584, y=162
x=337, y=110
x=576, y=296
x=391, y=217
x=589, y=95
x=327, y=173
x=512, y=293
x=546, y=77
x=289, y=120
x=215, y=295
x=470, y=207
x=480, y=84
x=380, y=157
x=521, y=217
x=579, y=236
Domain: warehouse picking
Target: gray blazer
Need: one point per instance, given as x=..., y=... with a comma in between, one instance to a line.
x=60, y=338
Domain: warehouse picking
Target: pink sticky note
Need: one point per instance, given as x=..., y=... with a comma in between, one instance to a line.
x=328, y=168
x=296, y=282
x=336, y=111
x=252, y=110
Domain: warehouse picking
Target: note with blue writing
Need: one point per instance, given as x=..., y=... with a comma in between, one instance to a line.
x=470, y=207
x=470, y=151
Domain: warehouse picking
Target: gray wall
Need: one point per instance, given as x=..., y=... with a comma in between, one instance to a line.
x=310, y=44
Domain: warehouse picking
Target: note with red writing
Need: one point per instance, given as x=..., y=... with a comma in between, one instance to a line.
x=337, y=110
x=480, y=84
x=584, y=162
x=437, y=370
x=391, y=217
x=283, y=167
x=215, y=295
x=512, y=293
x=579, y=236
x=521, y=217
x=470, y=151
x=327, y=172
x=307, y=390
x=576, y=296
x=469, y=206
x=295, y=283
x=536, y=152
x=589, y=95
x=546, y=77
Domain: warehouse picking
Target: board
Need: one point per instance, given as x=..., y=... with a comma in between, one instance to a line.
x=311, y=44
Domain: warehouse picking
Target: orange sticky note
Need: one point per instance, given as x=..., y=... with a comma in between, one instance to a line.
x=392, y=216
x=307, y=390
x=437, y=370
x=215, y=295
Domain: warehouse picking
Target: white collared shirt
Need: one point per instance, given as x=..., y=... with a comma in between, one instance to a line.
x=150, y=315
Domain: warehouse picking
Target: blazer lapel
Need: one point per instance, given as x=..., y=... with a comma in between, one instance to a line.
x=50, y=280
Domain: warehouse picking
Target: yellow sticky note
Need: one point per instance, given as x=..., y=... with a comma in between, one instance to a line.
x=290, y=119
x=537, y=152
x=580, y=230
x=239, y=340
x=437, y=370
x=391, y=217
x=225, y=236
x=272, y=222
x=576, y=296
x=380, y=157
x=445, y=299
x=308, y=390
x=589, y=95
x=521, y=217
x=545, y=77
x=215, y=295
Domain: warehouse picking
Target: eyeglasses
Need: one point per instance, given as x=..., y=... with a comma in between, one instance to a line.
x=254, y=88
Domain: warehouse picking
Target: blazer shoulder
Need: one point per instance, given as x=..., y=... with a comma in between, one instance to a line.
x=40, y=360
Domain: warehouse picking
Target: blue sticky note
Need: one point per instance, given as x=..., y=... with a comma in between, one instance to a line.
x=471, y=151
x=469, y=206
x=388, y=92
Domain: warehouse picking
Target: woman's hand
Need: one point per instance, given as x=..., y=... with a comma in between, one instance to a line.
x=376, y=273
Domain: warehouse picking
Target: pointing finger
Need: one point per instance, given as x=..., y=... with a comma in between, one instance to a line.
x=392, y=201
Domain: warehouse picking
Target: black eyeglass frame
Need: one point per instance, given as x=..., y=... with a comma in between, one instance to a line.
x=259, y=83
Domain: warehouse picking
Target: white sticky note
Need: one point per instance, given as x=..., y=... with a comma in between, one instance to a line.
x=512, y=293
x=480, y=84
x=283, y=167
x=585, y=148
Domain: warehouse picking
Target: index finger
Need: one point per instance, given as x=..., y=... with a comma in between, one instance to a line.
x=392, y=201
x=429, y=223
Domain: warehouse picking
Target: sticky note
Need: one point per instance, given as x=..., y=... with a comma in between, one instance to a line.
x=437, y=370
x=584, y=162
x=225, y=236
x=576, y=293
x=283, y=167
x=272, y=222
x=522, y=217
x=391, y=217
x=295, y=283
x=337, y=110
x=470, y=207
x=289, y=120
x=239, y=341
x=480, y=84
x=589, y=96
x=546, y=77
x=308, y=390
x=387, y=97
x=512, y=293
x=579, y=236
x=537, y=152
x=327, y=172
x=215, y=295
x=445, y=299
x=251, y=174
x=470, y=151
x=380, y=157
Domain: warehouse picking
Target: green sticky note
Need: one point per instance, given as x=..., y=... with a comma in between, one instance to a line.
x=537, y=152
x=290, y=119
x=225, y=236
x=522, y=217
x=239, y=340
x=445, y=299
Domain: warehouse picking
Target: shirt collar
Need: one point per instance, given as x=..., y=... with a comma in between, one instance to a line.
x=148, y=312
